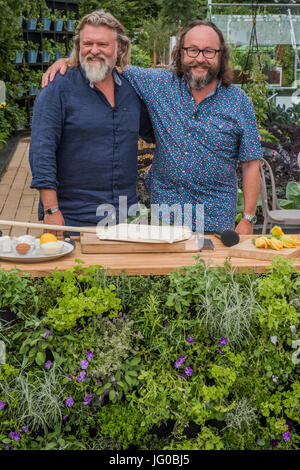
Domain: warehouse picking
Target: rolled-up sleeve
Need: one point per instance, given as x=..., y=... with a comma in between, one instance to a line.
x=46, y=132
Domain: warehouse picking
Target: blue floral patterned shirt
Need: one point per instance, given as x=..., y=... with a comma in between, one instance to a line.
x=198, y=147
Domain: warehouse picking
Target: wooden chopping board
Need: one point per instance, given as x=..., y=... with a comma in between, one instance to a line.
x=90, y=243
x=246, y=249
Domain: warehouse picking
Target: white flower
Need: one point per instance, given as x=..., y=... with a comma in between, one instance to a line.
x=273, y=339
x=275, y=378
x=293, y=328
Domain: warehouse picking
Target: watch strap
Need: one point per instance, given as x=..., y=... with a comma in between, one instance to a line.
x=251, y=218
x=51, y=210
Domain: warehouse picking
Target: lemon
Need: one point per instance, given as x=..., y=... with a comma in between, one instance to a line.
x=48, y=237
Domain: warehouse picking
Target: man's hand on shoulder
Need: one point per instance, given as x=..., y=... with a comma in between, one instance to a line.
x=244, y=227
x=60, y=66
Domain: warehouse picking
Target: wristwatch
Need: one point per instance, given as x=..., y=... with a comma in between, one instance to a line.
x=51, y=211
x=251, y=218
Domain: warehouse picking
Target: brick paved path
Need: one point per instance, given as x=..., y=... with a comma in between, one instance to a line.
x=17, y=200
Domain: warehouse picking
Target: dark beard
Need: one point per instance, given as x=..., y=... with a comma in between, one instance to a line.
x=198, y=83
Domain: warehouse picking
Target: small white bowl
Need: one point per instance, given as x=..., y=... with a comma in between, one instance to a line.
x=51, y=248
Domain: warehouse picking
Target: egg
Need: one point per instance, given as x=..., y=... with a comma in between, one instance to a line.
x=23, y=248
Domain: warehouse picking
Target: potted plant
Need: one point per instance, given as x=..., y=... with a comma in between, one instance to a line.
x=34, y=81
x=32, y=53
x=71, y=17
x=47, y=50
x=45, y=24
x=20, y=53
x=58, y=19
x=60, y=50
x=33, y=13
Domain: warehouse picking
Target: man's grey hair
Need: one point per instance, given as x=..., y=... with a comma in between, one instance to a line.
x=102, y=18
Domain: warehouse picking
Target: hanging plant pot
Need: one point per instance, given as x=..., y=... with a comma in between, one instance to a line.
x=19, y=58
x=70, y=26
x=58, y=25
x=58, y=55
x=7, y=316
x=32, y=89
x=46, y=24
x=31, y=24
x=32, y=56
x=46, y=57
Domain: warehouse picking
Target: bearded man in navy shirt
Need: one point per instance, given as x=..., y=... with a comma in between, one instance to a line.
x=85, y=130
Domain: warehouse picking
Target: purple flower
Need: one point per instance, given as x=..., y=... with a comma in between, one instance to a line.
x=106, y=391
x=117, y=394
x=89, y=355
x=87, y=399
x=190, y=339
x=112, y=379
x=47, y=334
x=70, y=377
x=6, y=446
x=177, y=364
x=2, y=405
x=207, y=404
x=48, y=364
x=181, y=358
x=286, y=436
x=69, y=402
x=81, y=376
x=181, y=375
x=223, y=341
x=25, y=429
x=15, y=435
x=188, y=371
x=219, y=351
x=100, y=400
x=99, y=382
x=64, y=418
x=84, y=364
x=75, y=370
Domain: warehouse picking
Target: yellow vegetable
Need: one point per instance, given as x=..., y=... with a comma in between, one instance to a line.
x=48, y=237
x=290, y=241
x=277, y=231
x=261, y=242
x=275, y=244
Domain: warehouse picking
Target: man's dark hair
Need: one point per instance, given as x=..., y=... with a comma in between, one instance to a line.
x=225, y=74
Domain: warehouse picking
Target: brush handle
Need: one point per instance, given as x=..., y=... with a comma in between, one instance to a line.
x=62, y=228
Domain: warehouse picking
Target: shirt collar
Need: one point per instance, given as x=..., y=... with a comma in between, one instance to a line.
x=115, y=74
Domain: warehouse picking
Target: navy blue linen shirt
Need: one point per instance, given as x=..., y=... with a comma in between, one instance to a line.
x=84, y=148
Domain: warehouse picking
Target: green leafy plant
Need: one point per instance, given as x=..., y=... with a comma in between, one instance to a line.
x=292, y=193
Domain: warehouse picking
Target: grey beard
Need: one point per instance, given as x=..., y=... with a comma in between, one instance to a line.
x=96, y=72
x=198, y=83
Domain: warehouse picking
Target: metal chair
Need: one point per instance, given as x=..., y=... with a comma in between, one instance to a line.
x=277, y=215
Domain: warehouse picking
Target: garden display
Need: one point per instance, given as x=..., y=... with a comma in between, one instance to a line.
x=201, y=359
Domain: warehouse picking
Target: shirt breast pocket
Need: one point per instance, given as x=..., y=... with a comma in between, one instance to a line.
x=130, y=120
x=225, y=135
